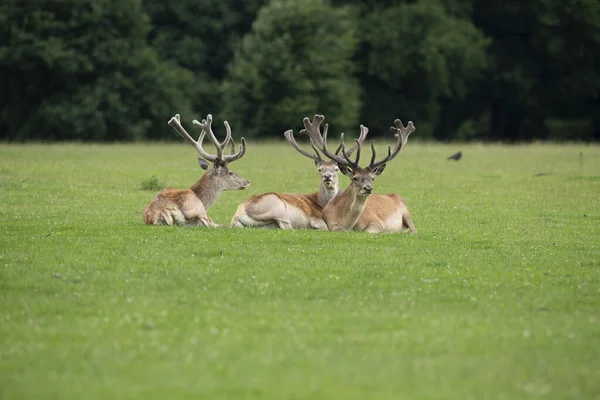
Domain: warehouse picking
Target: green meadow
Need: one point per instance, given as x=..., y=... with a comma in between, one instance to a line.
x=496, y=297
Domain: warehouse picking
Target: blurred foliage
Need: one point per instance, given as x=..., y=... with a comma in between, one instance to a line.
x=201, y=36
x=83, y=70
x=296, y=62
x=420, y=54
x=105, y=70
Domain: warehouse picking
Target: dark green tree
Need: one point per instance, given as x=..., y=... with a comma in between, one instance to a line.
x=420, y=58
x=201, y=36
x=545, y=67
x=297, y=61
x=82, y=70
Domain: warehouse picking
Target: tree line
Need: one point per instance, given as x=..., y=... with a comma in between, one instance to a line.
x=117, y=70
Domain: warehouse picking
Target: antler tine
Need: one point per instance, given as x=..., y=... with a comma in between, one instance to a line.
x=373, y=152
x=347, y=156
x=289, y=135
x=238, y=155
x=175, y=123
x=206, y=125
x=232, y=147
x=312, y=129
x=401, y=138
x=337, y=151
x=227, y=135
x=404, y=131
x=316, y=150
x=342, y=161
x=361, y=138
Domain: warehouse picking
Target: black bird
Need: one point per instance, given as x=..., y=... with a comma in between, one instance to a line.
x=455, y=157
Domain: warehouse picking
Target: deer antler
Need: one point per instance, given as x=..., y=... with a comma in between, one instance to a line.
x=402, y=133
x=361, y=138
x=312, y=130
x=345, y=160
x=175, y=123
x=206, y=126
x=289, y=135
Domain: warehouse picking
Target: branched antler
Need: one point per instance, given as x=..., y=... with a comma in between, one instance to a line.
x=206, y=126
x=289, y=135
x=345, y=160
x=175, y=123
x=318, y=139
x=313, y=129
x=402, y=133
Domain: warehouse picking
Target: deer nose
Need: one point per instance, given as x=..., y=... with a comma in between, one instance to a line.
x=368, y=188
x=327, y=176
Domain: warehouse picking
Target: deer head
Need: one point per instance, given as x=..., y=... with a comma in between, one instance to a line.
x=363, y=178
x=328, y=169
x=223, y=178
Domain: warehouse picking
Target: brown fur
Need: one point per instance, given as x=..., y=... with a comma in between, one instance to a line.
x=189, y=206
x=290, y=210
x=306, y=203
x=357, y=209
x=385, y=213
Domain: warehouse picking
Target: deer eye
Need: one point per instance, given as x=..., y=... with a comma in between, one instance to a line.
x=336, y=169
x=320, y=169
x=230, y=173
x=354, y=179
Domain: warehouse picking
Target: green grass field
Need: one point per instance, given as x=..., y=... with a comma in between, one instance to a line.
x=497, y=297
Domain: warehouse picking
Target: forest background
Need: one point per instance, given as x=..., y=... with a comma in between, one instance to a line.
x=463, y=70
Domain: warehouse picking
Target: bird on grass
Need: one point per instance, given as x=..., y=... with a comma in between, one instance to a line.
x=455, y=157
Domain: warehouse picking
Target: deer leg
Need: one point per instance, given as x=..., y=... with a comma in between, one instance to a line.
x=271, y=220
x=319, y=224
x=408, y=223
x=373, y=229
x=165, y=219
x=207, y=221
x=335, y=228
x=196, y=215
x=284, y=224
x=271, y=212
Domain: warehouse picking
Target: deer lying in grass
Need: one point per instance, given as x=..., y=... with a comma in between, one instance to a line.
x=356, y=208
x=188, y=206
x=293, y=210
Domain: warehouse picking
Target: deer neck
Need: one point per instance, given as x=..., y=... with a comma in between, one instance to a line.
x=325, y=194
x=353, y=204
x=206, y=190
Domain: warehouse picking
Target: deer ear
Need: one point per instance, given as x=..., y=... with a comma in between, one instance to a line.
x=377, y=171
x=345, y=170
x=203, y=163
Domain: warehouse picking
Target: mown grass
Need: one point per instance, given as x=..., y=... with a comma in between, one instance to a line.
x=498, y=296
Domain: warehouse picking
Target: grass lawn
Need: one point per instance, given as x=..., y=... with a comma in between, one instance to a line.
x=496, y=297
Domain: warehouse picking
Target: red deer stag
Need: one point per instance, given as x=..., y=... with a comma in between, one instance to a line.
x=356, y=208
x=188, y=206
x=293, y=210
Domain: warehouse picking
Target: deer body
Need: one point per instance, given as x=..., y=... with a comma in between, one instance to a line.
x=343, y=212
x=356, y=208
x=291, y=210
x=282, y=210
x=359, y=210
x=385, y=214
x=373, y=213
x=188, y=206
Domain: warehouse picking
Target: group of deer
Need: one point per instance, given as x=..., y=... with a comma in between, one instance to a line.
x=355, y=208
